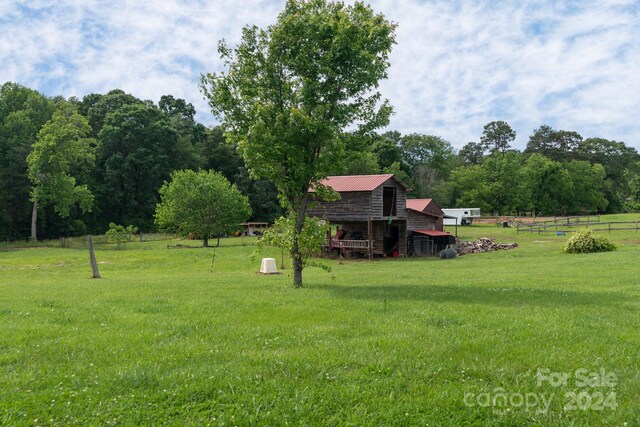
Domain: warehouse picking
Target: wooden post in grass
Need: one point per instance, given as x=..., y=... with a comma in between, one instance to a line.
x=370, y=238
x=92, y=257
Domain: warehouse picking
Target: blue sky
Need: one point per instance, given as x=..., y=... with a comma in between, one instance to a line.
x=457, y=65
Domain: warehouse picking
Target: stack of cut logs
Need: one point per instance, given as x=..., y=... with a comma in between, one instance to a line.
x=483, y=244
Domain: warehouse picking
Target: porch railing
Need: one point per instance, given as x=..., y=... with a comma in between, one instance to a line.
x=347, y=244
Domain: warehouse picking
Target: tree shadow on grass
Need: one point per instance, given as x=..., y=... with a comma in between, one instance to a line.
x=498, y=296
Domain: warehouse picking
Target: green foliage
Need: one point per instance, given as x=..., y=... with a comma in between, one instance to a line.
x=120, y=234
x=136, y=154
x=63, y=147
x=586, y=241
x=548, y=185
x=431, y=160
x=469, y=187
x=588, y=187
x=23, y=112
x=496, y=185
x=497, y=137
x=62, y=153
x=557, y=145
x=471, y=154
x=203, y=203
x=313, y=235
x=292, y=92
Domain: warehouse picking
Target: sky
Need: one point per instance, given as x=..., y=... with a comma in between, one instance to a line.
x=458, y=65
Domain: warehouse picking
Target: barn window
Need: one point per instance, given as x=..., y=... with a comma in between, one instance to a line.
x=389, y=201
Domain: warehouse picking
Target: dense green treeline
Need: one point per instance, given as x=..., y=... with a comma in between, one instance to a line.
x=86, y=163
x=558, y=173
x=72, y=166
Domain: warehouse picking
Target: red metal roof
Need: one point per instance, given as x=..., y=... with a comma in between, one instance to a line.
x=425, y=206
x=432, y=233
x=418, y=204
x=346, y=183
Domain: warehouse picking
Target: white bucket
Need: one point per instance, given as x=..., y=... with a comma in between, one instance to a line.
x=268, y=266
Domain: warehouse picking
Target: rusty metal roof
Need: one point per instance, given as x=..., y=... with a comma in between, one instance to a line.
x=347, y=183
x=432, y=233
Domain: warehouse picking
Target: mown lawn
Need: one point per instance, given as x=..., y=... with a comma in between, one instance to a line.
x=167, y=336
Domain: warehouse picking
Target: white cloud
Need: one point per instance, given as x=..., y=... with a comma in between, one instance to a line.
x=457, y=64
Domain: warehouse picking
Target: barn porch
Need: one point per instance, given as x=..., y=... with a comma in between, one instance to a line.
x=367, y=239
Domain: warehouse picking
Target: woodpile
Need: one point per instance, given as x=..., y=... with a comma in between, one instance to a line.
x=483, y=244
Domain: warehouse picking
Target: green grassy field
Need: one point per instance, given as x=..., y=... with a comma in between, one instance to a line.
x=168, y=337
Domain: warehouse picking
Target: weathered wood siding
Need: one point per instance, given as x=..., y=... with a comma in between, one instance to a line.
x=377, y=201
x=419, y=221
x=351, y=206
x=380, y=228
x=433, y=209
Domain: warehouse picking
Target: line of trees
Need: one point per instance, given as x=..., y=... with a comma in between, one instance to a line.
x=73, y=166
x=559, y=172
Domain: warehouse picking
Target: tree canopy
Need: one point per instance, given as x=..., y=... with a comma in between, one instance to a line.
x=23, y=112
x=202, y=203
x=62, y=153
x=497, y=137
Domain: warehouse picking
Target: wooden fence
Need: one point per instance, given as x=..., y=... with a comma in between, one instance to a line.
x=568, y=226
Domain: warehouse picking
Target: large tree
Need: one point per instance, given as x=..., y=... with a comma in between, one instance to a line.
x=472, y=153
x=204, y=203
x=496, y=185
x=23, y=112
x=548, y=184
x=431, y=160
x=557, y=145
x=62, y=153
x=137, y=150
x=621, y=164
x=292, y=90
x=588, y=184
x=497, y=137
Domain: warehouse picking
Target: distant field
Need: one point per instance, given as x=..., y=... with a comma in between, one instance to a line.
x=178, y=336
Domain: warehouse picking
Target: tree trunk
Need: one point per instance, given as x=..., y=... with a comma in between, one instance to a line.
x=205, y=242
x=218, y=244
x=296, y=256
x=34, y=221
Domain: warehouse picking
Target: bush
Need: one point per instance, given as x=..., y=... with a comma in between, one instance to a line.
x=120, y=234
x=586, y=241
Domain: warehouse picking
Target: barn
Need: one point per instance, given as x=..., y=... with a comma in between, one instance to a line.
x=425, y=235
x=370, y=217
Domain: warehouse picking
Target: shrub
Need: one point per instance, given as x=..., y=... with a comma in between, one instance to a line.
x=120, y=234
x=586, y=241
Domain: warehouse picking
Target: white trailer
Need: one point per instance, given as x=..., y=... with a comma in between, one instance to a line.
x=462, y=216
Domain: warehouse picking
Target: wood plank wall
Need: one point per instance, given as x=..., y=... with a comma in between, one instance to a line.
x=351, y=205
x=418, y=221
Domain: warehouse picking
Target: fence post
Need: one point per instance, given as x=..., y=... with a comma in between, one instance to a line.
x=92, y=258
x=609, y=228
